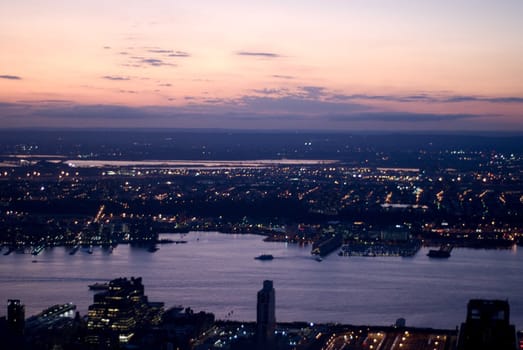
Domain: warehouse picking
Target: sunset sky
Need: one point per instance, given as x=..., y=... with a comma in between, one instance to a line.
x=291, y=64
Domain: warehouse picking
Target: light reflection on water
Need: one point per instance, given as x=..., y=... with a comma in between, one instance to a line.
x=218, y=273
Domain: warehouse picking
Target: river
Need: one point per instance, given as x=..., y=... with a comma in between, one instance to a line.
x=218, y=273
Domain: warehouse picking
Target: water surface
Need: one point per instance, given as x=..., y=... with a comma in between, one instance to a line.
x=218, y=273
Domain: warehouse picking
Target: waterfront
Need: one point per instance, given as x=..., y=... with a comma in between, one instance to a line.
x=218, y=273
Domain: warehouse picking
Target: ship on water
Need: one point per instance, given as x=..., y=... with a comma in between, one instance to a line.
x=442, y=252
x=327, y=245
x=99, y=286
x=264, y=257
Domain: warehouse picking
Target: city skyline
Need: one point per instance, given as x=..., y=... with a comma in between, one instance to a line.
x=359, y=65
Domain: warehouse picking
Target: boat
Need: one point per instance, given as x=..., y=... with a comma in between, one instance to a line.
x=442, y=252
x=180, y=241
x=99, y=286
x=264, y=257
x=327, y=244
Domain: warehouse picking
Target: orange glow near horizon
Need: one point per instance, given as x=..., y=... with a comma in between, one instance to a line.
x=185, y=54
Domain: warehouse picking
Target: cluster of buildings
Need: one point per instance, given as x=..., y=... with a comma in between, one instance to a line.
x=52, y=203
x=121, y=317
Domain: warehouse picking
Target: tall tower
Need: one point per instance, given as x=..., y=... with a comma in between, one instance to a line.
x=265, y=314
x=15, y=316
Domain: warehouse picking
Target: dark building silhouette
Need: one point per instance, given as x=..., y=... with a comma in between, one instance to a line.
x=119, y=312
x=15, y=317
x=487, y=326
x=265, y=314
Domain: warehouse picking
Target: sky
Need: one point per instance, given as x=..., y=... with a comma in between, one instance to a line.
x=362, y=65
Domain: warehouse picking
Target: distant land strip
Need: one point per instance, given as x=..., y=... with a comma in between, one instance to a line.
x=198, y=163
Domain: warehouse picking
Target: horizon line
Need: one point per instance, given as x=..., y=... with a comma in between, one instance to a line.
x=506, y=133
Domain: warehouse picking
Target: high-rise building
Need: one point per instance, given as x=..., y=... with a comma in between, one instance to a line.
x=117, y=313
x=15, y=317
x=487, y=326
x=265, y=314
